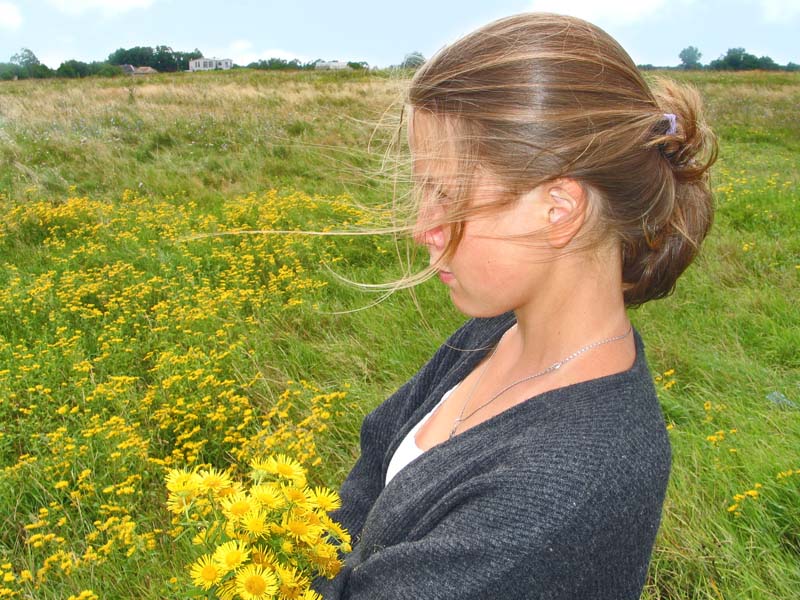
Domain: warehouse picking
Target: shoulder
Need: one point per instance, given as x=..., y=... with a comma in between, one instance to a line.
x=602, y=443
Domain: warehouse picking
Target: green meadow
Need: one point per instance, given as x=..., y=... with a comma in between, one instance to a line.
x=139, y=332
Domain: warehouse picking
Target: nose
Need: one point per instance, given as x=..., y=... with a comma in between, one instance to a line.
x=432, y=237
x=428, y=230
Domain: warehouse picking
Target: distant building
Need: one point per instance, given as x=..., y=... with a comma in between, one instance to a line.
x=144, y=71
x=210, y=64
x=332, y=65
x=128, y=69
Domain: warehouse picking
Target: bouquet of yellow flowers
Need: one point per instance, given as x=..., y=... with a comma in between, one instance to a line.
x=266, y=540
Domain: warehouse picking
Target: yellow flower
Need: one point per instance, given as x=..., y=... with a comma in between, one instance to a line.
x=287, y=468
x=205, y=535
x=326, y=557
x=84, y=595
x=291, y=581
x=311, y=517
x=214, y=481
x=255, y=522
x=254, y=583
x=234, y=488
x=237, y=505
x=263, y=557
x=227, y=590
x=300, y=529
x=182, y=481
x=268, y=496
x=205, y=572
x=260, y=467
x=231, y=555
x=325, y=499
x=295, y=495
x=177, y=504
x=335, y=529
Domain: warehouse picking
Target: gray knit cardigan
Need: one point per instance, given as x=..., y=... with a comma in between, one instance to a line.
x=557, y=497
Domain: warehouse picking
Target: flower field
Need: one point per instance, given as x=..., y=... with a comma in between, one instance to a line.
x=130, y=357
x=141, y=337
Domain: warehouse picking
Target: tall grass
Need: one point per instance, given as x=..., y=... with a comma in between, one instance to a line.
x=126, y=347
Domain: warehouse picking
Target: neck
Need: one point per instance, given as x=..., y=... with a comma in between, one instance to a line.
x=575, y=311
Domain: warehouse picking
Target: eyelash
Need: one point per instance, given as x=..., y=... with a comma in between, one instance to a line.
x=441, y=195
x=438, y=194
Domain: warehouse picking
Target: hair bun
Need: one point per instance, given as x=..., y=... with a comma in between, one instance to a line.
x=682, y=135
x=670, y=238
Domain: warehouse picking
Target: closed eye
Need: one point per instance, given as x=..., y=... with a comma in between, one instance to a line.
x=441, y=195
x=437, y=193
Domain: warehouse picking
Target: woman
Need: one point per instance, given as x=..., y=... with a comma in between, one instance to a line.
x=529, y=457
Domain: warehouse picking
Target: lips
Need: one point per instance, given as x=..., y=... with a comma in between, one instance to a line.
x=446, y=276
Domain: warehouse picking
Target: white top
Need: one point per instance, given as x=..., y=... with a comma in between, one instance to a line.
x=408, y=450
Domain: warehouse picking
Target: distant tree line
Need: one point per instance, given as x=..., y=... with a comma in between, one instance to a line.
x=25, y=65
x=738, y=59
x=735, y=59
x=413, y=60
x=281, y=64
x=162, y=58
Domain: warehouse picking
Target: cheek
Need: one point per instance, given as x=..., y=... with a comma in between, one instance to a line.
x=492, y=263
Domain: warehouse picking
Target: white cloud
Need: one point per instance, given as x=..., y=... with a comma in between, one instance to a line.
x=242, y=52
x=54, y=57
x=607, y=12
x=628, y=12
x=780, y=11
x=10, y=17
x=107, y=7
x=241, y=45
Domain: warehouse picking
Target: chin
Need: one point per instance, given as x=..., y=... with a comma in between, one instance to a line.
x=477, y=311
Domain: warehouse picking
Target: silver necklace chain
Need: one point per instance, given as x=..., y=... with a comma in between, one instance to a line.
x=554, y=367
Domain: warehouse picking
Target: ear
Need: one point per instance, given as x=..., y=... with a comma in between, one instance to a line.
x=564, y=202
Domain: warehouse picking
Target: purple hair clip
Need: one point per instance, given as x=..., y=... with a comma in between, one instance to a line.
x=673, y=123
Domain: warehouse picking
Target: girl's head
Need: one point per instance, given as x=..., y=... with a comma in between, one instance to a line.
x=537, y=98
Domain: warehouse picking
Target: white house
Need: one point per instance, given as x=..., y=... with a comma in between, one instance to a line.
x=209, y=64
x=333, y=65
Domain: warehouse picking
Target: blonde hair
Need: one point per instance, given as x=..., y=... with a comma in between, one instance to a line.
x=536, y=97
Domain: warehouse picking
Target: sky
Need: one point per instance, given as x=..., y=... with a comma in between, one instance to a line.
x=381, y=33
